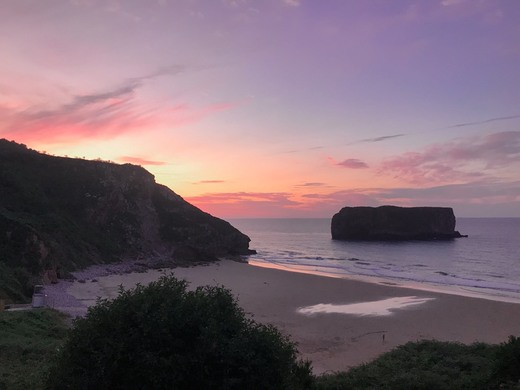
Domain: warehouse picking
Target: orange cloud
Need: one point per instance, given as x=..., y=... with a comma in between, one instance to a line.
x=251, y=204
x=311, y=184
x=209, y=182
x=140, y=161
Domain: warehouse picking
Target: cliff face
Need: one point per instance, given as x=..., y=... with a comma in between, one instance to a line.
x=394, y=223
x=69, y=213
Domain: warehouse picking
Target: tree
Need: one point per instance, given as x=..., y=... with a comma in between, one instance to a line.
x=165, y=336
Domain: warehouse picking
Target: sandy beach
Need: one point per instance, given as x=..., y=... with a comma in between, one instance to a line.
x=337, y=323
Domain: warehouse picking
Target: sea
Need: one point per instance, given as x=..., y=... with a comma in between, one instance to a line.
x=485, y=264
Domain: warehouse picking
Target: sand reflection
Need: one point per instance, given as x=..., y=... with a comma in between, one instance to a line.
x=383, y=307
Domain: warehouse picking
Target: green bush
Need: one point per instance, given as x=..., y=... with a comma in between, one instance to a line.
x=421, y=365
x=164, y=336
x=507, y=368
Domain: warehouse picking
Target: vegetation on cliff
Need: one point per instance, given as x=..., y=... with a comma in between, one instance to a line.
x=63, y=213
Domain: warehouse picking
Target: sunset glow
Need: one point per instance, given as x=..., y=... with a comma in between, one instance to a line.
x=276, y=108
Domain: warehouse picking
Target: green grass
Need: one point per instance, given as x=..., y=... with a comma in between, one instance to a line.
x=435, y=365
x=28, y=343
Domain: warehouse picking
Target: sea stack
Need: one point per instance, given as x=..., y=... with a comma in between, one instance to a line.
x=392, y=223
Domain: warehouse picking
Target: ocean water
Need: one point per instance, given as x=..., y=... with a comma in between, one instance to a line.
x=485, y=264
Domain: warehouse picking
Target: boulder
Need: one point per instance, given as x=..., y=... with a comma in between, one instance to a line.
x=392, y=223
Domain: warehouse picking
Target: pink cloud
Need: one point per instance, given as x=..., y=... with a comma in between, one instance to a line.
x=101, y=119
x=311, y=184
x=280, y=204
x=489, y=197
x=251, y=204
x=457, y=161
x=101, y=115
x=140, y=161
x=210, y=182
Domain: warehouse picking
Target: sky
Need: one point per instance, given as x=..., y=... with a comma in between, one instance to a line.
x=276, y=108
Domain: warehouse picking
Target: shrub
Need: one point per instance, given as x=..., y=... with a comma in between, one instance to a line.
x=420, y=365
x=164, y=336
x=507, y=367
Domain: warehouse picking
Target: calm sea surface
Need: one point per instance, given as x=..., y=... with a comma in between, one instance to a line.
x=487, y=263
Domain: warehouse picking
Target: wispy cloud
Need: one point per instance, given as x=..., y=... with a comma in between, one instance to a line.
x=483, y=197
x=292, y=3
x=489, y=10
x=140, y=161
x=501, y=118
x=465, y=124
x=352, y=163
x=233, y=197
x=101, y=115
x=475, y=192
x=209, y=182
x=457, y=161
x=169, y=70
x=237, y=204
x=234, y=3
x=377, y=139
x=311, y=184
x=450, y=3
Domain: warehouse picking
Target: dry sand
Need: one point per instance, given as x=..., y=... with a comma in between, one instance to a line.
x=334, y=341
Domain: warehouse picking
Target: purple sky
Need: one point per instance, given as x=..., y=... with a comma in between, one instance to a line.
x=277, y=107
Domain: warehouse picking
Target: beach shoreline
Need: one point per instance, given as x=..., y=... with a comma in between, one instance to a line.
x=331, y=339
x=471, y=292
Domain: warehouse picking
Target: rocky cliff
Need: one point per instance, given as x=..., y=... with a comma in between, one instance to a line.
x=58, y=212
x=394, y=223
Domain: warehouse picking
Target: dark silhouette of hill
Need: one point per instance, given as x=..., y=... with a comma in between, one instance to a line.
x=65, y=213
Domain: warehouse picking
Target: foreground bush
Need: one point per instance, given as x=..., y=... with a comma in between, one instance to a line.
x=164, y=336
x=506, y=372
x=435, y=365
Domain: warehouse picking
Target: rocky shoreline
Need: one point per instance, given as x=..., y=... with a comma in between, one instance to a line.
x=57, y=296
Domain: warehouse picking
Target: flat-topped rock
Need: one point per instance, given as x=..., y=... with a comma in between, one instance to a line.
x=392, y=223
